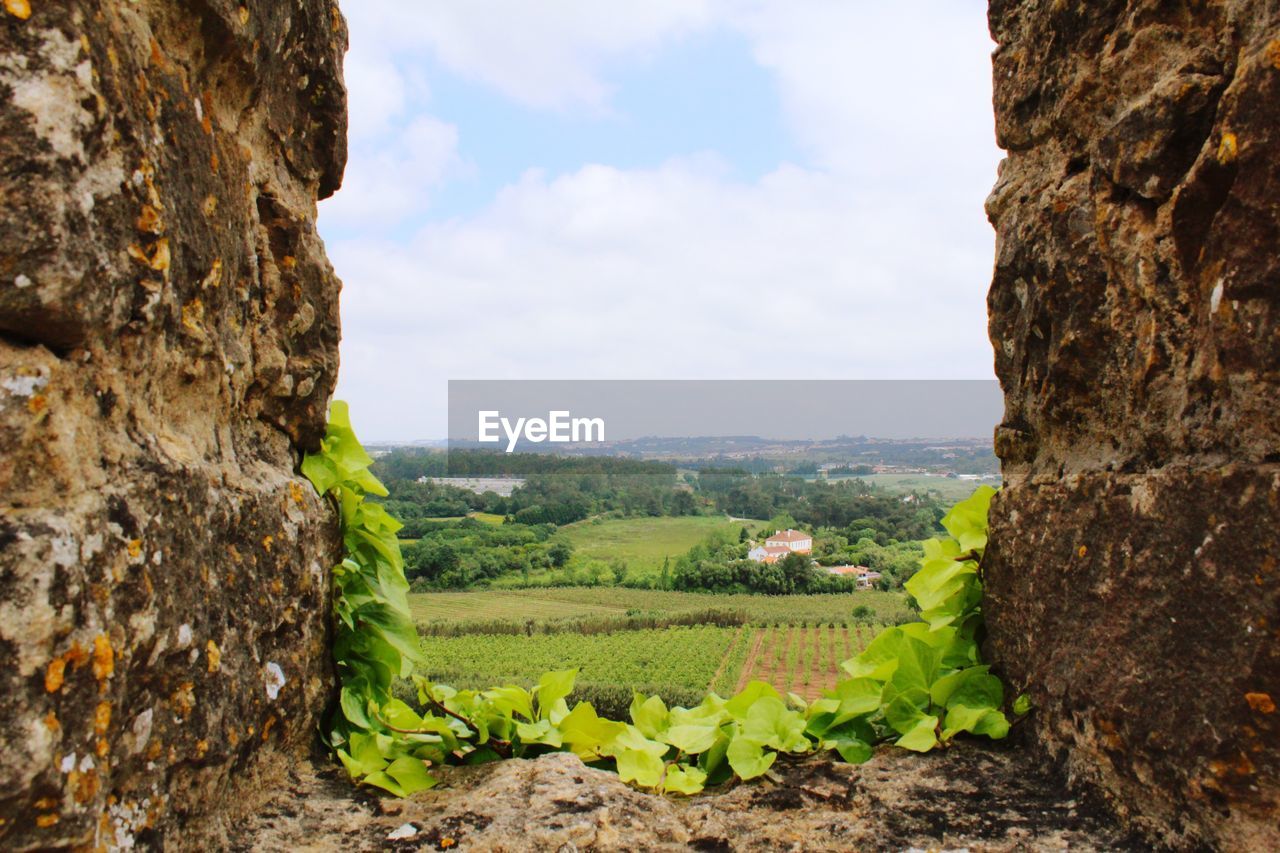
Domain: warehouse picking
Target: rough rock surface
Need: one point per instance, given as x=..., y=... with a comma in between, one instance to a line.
x=969, y=797
x=168, y=344
x=1133, y=584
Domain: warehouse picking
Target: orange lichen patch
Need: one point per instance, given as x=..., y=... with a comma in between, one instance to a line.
x=51, y=722
x=266, y=728
x=1109, y=734
x=84, y=786
x=446, y=843
x=202, y=747
x=193, y=315
x=184, y=698
x=296, y=494
x=215, y=656
x=154, y=749
x=1273, y=53
x=206, y=123
x=233, y=737
x=135, y=548
x=20, y=9
x=210, y=206
x=1240, y=766
x=266, y=543
x=1228, y=148
x=38, y=404
x=54, y=674
x=104, y=658
x=102, y=718
x=213, y=162
x=1082, y=550
x=288, y=262
x=156, y=257
x=102, y=748
x=157, y=55
x=277, y=586
x=77, y=655
x=45, y=821
x=47, y=803
x=149, y=220
x=1260, y=702
x=214, y=278
x=243, y=12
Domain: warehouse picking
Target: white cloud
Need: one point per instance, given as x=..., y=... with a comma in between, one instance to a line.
x=544, y=54
x=390, y=182
x=890, y=93
x=669, y=273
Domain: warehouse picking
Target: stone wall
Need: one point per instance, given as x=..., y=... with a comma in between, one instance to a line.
x=1133, y=578
x=168, y=346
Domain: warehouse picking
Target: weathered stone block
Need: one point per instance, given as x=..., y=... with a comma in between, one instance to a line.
x=168, y=346
x=1132, y=575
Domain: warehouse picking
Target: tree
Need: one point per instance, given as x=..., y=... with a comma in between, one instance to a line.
x=798, y=571
x=559, y=553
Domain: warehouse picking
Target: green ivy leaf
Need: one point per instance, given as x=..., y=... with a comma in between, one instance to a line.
x=639, y=766
x=853, y=750
x=649, y=715
x=748, y=758
x=771, y=723
x=511, y=700
x=410, y=774
x=691, y=739
x=922, y=736
x=967, y=520
x=683, y=779
x=552, y=689
x=586, y=733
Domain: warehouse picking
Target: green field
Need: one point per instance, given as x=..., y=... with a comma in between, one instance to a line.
x=796, y=642
x=682, y=657
x=576, y=603
x=945, y=488
x=643, y=543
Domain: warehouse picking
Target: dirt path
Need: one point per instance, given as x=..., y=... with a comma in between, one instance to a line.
x=781, y=679
x=749, y=665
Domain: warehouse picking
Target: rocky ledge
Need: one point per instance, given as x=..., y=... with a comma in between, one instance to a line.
x=971, y=796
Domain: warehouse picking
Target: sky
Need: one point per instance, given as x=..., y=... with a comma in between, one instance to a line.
x=674, y=189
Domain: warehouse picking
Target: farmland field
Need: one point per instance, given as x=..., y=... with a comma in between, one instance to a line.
x=681, y=657
x=795, y=642
x=643, y=543
x=568, y=603
x=946, y=488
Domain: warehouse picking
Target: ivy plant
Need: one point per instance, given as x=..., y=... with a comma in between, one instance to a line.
x=916, y=685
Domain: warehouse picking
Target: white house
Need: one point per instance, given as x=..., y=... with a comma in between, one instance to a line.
x=792, y=540
x=866, y=577
x=768, y=553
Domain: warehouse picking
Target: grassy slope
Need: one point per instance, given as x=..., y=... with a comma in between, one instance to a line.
x=948, y=490
x=643, y=543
